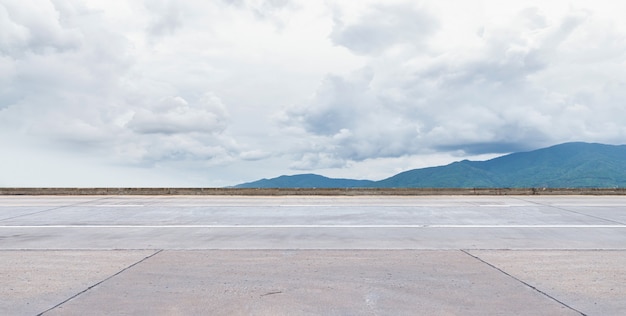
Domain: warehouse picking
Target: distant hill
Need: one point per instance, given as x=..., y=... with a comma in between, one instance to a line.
x=569, y=165
x=306, y=181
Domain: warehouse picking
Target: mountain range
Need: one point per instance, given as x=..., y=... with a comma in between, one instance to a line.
x=568, y=165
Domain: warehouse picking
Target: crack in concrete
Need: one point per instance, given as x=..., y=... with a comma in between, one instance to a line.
x=271, y=293
x=524, y=283
x=98, y=283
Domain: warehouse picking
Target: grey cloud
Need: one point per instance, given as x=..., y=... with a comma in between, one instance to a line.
x=349, y=122
x=501, y=98
x=489, y=147
x=155, y=149
x=88, y=82
x=66, y=51
x=371, y=139
x=569, y=25
x=262, y=7
x=383, y=27
x=236, y=3
x=74, y=82
x=334, y=105
x=176, y=115
x=267, y=10
x=253, y=155
x=316, y=160
x=511, y=54
x=167, y=17
x=533, y=18
x=175, y=130
x=34, y=27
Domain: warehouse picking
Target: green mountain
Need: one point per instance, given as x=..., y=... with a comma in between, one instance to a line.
x=569, y=165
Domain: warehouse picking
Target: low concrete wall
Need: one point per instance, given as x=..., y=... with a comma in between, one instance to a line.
x=304, y=191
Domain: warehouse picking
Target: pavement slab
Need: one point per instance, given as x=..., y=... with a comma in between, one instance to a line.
x=312, y=282
x=35, y=281
x=310, y=255
x=302, y=237
x=593, y=282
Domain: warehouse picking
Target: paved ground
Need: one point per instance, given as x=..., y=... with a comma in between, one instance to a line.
x=377, y=255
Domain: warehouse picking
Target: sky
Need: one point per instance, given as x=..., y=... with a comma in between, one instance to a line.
x=194, y=93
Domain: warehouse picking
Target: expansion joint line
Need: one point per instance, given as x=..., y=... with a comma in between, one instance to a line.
x=108, y=278
x=525, y=283
x=579, y=213
x=51, y=209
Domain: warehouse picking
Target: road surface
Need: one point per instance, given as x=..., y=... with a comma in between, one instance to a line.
x=339, y=255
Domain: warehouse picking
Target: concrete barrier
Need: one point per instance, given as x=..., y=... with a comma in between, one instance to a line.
x=312, y=191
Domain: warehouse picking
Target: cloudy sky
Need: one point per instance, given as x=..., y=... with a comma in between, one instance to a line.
x=215, y=93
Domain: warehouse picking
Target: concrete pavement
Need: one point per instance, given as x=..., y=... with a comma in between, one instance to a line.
x=337, y=255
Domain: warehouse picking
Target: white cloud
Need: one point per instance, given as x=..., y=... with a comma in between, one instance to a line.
x=253, y=155
x=384, y=26
x=91, y=96
x=34, y=27
x=494, y=94
x=219, y=91
x=167, y=17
